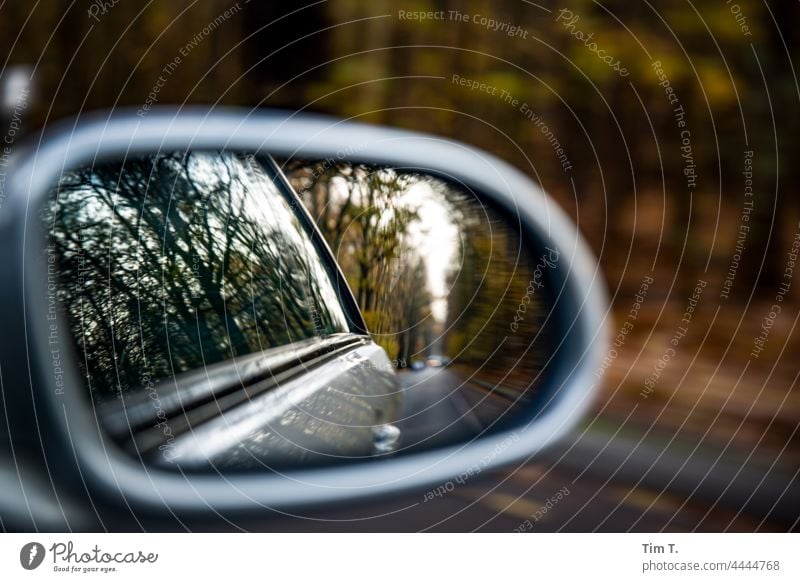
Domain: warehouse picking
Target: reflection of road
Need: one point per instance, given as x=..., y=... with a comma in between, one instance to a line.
x=434, y=412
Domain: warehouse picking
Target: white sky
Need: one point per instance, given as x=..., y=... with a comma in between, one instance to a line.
x=437, y=238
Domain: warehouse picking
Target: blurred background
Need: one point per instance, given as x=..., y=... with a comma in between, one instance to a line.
x=666, y=130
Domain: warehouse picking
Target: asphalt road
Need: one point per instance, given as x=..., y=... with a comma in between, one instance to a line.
x=607, y=480
x=516, y=499
x=434, y=412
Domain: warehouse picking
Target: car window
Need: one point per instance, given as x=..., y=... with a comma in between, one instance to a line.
x=170, y=263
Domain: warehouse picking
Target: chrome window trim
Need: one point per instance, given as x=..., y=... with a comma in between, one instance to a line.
x=180, y=395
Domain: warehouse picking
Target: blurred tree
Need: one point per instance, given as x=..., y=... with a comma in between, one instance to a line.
x=738, y=88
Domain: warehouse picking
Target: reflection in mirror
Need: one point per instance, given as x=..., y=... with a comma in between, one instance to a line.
x=448, y=287
x=214, y=330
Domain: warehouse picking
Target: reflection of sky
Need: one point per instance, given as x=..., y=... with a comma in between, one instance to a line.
x=436, y=237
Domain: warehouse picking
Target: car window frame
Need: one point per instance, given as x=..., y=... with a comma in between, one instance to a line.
x=347, y=300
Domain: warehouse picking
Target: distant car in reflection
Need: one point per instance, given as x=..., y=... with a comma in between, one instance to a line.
x=437, y=361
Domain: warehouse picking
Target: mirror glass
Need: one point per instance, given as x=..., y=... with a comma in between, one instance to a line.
x=232, y=311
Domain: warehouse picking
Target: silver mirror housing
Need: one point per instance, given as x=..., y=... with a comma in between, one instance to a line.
x=55, y=409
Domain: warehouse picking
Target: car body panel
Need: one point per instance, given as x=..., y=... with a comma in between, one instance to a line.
x=326, y=414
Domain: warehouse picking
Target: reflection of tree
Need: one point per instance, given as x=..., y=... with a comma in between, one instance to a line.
x=362, y=216
x=361, y=213
x=494, y=311
x=170, y=262
x=415, y=306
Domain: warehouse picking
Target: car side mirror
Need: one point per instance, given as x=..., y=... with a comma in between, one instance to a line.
x=171, y=272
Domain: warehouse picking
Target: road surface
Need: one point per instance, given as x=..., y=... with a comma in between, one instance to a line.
x=615, y=481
